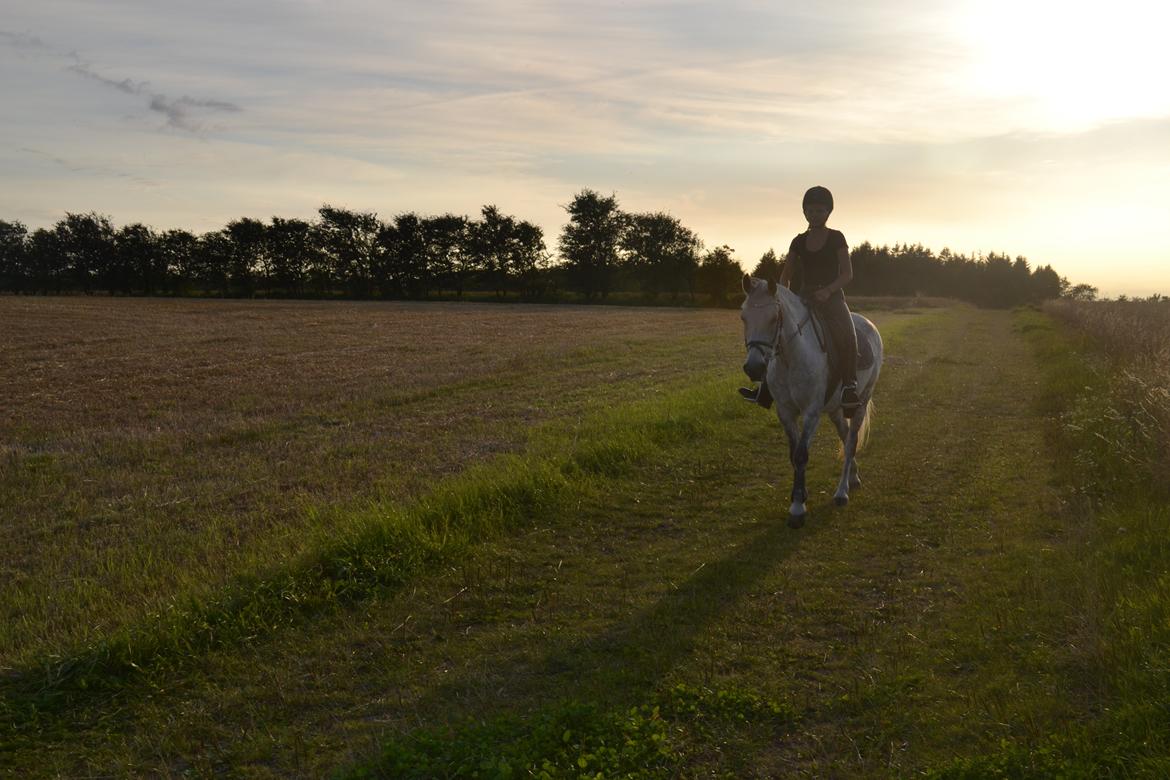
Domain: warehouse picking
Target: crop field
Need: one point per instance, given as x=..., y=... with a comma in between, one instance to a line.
x=272, y=539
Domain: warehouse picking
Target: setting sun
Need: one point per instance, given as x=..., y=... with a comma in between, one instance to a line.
x=1070, y=65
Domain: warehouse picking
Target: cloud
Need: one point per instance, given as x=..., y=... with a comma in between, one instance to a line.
x=178, y=111
x=22, y=40
x=92, y=169
x=125, y=85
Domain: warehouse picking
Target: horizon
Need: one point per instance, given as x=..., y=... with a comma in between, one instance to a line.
x=978, y=127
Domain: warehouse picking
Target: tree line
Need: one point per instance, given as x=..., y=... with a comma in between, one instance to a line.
x=343, y=253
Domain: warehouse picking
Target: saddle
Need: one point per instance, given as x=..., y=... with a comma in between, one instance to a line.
x=833, y=352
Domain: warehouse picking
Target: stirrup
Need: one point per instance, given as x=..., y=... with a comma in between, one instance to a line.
x=849, y=400
x=760, y=396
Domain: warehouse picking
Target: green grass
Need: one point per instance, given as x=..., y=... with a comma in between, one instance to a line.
x=969, y=612
x=366, y=553
x=147, y=460
x=1117, y=586
x=377, y=552
x=580, y=740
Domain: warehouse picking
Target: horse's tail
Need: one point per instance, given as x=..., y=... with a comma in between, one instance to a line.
x=863, y=432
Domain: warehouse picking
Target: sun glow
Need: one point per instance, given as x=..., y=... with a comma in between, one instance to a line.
x=1069, y=65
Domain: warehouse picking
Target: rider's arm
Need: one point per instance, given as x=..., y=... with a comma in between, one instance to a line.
x=786, y=272
x=844, y=274
x=844, y=270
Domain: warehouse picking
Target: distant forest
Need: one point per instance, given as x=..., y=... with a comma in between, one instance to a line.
x=605, y=253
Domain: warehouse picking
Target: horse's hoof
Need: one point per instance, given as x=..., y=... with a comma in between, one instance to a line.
x=840, y=500
x=796, y=521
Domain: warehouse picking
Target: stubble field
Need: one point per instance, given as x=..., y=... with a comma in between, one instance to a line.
x=152, y=446
x=269, y=539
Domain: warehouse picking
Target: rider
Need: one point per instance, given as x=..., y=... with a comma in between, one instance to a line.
x=818, y=259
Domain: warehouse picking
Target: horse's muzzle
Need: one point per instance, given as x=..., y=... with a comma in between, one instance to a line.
x=755, y=366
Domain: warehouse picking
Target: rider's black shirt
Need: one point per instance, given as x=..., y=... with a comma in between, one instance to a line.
x=816, y=269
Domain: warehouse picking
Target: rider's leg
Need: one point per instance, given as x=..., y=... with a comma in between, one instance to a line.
x=840, y=321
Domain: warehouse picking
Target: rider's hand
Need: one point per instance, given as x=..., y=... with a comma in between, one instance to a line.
x=822, y=295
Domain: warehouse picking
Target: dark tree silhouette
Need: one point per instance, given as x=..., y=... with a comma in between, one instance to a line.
x=661, y=254
x=292, y=253
x=1047, y=284
x=403, y=257
x=770, y=267
x=177, y=251
x=350, y=241
x=248, y=258
x=89, y=251
x=47, y=265
x=488, y=246
x=589, y=242
x=140, y=265
x=526, y=258
x=352, y=253
x=213, y=260
x=719, y=275
x=991, y=280
x=14, y=274
x=447, y=259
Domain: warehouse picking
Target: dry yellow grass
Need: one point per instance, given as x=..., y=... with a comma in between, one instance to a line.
x=1135, y=337
x=157, y=447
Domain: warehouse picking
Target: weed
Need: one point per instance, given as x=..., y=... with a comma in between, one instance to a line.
x=576, y=740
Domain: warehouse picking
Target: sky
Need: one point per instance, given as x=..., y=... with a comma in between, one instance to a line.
x=1026, y=127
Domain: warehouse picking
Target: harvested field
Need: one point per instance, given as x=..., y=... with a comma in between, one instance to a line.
x=354, y=540
x=154, y=447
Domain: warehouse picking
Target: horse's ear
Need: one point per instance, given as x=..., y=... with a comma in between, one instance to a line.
x=747, y=284
x=772, y=287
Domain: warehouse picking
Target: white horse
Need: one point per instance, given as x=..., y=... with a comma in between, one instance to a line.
x=785, y=348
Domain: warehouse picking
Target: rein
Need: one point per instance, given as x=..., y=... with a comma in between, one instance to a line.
x=761, y=344
x=778, y=345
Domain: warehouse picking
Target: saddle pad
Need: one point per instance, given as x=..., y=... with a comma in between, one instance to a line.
x=864, y=356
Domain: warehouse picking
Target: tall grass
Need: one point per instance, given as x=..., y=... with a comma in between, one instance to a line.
x=1129, y=415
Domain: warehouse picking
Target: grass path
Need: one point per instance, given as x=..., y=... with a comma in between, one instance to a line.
x=917, y=625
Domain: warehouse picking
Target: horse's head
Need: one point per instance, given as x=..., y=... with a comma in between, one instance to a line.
x=760, y=313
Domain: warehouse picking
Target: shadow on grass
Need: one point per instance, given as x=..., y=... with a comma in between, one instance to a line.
x=624, y=665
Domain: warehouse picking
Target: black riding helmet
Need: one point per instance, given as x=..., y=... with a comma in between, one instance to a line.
x=818, y=195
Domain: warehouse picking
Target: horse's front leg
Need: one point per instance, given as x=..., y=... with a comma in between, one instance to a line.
x=792, y=434
x=798, y=509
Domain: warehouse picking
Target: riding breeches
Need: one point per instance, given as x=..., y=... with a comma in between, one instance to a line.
x=836, y=315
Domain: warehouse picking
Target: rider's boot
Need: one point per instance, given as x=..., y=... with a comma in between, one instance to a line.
x=761, y=395
x=849, y=399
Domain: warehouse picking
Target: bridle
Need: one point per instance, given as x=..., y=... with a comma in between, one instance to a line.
x=762, y=344
x=775, y=344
